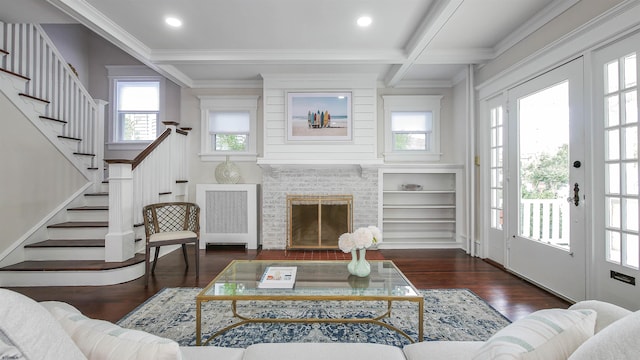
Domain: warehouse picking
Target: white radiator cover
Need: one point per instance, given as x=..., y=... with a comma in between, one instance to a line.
x=228, y=214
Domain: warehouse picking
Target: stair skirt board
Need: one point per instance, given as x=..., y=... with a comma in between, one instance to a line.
x=71, y=278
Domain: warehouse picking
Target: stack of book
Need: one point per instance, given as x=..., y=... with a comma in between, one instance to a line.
x=278, y=277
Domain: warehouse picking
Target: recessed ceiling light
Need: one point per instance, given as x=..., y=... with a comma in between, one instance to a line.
x=173, y=21
x=364, y=21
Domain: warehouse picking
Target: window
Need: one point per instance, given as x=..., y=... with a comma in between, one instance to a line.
x=229, y=130
x=228, y=127
x=411, y=130
x=137, y=110
x=136, y=106
x=622, y=196
x=412, y=127
x=497, y=149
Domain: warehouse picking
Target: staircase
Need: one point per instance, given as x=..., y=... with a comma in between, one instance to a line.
x=73, y=253
x=70, y=249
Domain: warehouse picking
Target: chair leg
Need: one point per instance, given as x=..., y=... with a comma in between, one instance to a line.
x=147, y=266
x=197, y=259
x=184, y=254
x=155, y=259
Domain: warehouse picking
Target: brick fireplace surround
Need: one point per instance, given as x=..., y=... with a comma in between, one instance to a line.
x=279, y=182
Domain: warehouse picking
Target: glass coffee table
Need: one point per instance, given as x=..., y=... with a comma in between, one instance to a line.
x=315, y=281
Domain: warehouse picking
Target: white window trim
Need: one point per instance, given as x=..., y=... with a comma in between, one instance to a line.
x=131, y=73
x=214, y=103
x=394, y=103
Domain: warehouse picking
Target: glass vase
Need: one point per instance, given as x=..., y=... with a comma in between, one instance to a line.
x=362, y=267
x=352, y=264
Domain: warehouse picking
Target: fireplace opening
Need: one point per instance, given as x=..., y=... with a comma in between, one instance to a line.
x=316, y=221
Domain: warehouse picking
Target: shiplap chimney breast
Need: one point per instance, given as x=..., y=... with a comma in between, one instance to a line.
x=361, y=149
x=318, y=167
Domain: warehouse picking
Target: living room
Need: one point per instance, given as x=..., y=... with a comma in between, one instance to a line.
x=363, y=165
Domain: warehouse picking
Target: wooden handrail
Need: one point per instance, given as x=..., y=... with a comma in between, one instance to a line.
x=143, y=155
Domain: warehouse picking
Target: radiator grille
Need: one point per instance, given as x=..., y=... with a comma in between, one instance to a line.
x=226, y=212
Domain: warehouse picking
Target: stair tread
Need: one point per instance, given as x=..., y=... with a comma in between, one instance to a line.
x=79, y=224
x=68, y=243
x=81, y=208
x=97, y=194
x=72, y=265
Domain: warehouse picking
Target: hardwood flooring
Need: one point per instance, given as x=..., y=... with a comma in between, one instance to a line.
x=426, y=269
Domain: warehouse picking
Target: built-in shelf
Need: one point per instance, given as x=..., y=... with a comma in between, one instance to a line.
x=426, y=218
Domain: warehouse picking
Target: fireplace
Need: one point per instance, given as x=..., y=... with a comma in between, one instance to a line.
x=316, y=221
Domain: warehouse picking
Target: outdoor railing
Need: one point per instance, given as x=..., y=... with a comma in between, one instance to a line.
x=545, y=220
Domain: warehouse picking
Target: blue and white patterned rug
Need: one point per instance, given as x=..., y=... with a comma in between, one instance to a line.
x=449, y=314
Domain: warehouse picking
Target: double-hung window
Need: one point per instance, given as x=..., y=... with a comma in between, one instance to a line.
x=228, y=127
x=137, y=110
x=136, y=107
x=412, y=127
x=230, y=130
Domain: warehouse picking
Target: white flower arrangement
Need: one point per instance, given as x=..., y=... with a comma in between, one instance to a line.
x=362, y=238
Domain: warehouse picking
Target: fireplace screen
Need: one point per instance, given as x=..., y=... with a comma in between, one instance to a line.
x=316, y=221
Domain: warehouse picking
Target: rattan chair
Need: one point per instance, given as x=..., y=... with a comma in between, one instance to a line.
x=171, y=223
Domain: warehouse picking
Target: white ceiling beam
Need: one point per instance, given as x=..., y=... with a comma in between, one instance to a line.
x=277, y=56
x=428, y=30
x=455, y=56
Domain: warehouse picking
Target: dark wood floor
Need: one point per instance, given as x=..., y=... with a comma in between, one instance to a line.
x=426, y=269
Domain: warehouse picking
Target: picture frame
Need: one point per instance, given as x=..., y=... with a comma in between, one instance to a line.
x=319, y=116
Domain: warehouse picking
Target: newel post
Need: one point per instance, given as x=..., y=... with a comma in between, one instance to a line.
x=120, y=239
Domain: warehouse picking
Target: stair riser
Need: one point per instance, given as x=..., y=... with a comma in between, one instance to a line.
x=71, y=278
x=77, y=233
x=71, y=145
x=85, y=160
x=96, y=200
x=76, y=253
x=88, y=215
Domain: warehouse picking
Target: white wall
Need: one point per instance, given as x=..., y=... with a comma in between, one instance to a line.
x=36, y=177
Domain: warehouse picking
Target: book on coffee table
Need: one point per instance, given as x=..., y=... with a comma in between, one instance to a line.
x=278, y=277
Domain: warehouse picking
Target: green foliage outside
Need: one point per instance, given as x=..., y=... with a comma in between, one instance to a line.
x=546, y=175
x=231, y=142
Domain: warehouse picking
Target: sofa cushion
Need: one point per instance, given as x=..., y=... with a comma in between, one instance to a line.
x=102, y=340
x=32, y=330
x=607, y=313
x=545, y=334
x=442, y=350
x=211, y=353
x=323, y=351
x=617, y=341
x=8, y=351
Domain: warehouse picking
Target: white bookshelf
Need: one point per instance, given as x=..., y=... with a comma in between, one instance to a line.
x=427, y=218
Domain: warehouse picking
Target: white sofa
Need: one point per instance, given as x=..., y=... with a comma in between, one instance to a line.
x=56, y=330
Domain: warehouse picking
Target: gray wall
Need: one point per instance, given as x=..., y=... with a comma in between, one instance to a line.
x=36, y=178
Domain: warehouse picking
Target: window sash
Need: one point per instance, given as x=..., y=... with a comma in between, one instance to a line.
x=137, y=125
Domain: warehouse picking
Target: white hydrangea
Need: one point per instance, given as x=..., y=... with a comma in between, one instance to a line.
x=346, y=243
x=363, y=238
x=377, y=234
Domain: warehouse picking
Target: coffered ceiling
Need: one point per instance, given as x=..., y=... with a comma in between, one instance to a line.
x=409, y=42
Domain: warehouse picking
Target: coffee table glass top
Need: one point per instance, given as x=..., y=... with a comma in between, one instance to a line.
x=314, y=279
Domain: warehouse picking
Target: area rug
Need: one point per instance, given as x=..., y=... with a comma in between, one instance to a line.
x=449, y=314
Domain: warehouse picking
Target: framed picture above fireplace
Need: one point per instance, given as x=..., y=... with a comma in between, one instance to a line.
x=319, y=116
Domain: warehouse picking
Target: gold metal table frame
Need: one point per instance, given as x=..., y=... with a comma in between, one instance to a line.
x=315, y=281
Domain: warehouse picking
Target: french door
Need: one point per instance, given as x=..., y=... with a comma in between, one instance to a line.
x=546, y=181
x=616, y=238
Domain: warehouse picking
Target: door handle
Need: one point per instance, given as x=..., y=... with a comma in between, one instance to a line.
x=576, y=195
